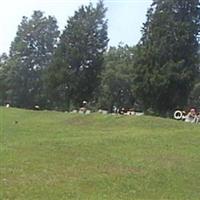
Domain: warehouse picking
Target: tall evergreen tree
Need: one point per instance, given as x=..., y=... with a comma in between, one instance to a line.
x=79, y=57
x=167, y=57
x=30, y=54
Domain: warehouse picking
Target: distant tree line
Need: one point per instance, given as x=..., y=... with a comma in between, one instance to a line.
x=59, y=70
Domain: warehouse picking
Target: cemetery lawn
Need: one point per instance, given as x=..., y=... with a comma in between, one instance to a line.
x=47, y=155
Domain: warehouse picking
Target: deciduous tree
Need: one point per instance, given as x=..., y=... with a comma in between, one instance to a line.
x=117, y=80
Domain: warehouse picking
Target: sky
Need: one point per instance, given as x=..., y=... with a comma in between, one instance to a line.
x=125, y=17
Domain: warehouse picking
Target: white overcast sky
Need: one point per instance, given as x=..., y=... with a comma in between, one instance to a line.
x=125, y=17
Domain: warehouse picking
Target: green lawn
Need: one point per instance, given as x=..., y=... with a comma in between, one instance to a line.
x=58, y=156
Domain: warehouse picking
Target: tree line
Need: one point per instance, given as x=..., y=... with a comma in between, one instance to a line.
x=60, y=70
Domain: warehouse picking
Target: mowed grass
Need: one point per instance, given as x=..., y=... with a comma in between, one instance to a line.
x=58, y=156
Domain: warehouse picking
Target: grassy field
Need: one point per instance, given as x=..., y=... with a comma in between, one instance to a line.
x=59, y=156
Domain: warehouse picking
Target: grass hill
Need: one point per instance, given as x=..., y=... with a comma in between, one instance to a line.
x=58, y=156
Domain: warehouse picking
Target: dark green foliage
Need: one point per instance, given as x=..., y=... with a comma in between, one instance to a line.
x=59, y=81
x=159, y=73
x=30, y=54
x=194, y=98
x=166, y=62
x=74, y=73
x=3, y=86
x=117, y=78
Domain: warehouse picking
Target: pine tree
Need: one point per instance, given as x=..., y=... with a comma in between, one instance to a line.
x=30, y=54
x=167, y=57
x=79, y=56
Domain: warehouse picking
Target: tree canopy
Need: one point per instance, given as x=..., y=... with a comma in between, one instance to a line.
x=61, y=70
x=30, y=54
x=116, y=84
x=74, y=73
x=166, y=62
